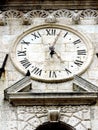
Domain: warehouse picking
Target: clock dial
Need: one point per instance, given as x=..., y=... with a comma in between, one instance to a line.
x=52, y=53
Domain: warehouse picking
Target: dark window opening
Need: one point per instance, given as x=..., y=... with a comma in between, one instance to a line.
x=55, y=126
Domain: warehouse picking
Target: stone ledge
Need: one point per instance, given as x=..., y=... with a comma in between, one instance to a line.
x=69, y=98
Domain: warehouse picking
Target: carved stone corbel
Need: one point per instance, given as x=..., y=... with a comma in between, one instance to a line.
x=2, y=20
x=54, y=115
x=96, y=19
x=51, y=19
x=76, y=16
x=26, y=20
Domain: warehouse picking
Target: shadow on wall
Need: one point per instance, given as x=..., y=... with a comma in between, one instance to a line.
x=3, y=2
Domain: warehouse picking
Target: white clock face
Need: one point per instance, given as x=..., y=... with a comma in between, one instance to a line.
x=52, y=53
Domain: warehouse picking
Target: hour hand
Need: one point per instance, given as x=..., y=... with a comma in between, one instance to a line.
x=52, y=52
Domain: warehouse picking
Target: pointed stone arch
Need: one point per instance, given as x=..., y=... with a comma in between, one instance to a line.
x=55, y=125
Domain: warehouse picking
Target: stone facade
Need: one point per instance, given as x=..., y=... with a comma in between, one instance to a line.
x=13, y=23
x=48, y=4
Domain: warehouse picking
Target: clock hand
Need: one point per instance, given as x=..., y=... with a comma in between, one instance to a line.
x=52, y=52
x=58, y=56
x=51, y=48
x=56, y=38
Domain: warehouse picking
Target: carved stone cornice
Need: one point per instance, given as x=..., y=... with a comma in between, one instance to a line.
x=65, y=13
x=87, y=16
x=74, y=16
x=69, y=98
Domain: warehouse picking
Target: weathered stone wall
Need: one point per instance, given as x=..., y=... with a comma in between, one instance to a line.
x=48, y=4
x=28, y=118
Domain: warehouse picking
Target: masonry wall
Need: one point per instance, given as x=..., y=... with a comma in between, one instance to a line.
x=29, y=118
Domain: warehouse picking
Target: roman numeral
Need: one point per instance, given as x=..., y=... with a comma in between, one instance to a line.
x=36, y=35
x=68, y=71
x=36, y=71
x=25, y=63
x=24, y=42
x=65, y=34
x=21, y=53
x=50, y=31
x=78, y=62
x=77, y=41
x=81, y=52
x=52, y=74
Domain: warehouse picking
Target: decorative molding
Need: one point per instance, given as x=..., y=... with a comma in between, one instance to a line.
x=20, y=94
x=32, y=98
x=73, y=109
x=89, y=13
x=63, y=13
x=51, y=15
x=38, y=14
x=56, y=13
x=13, y=14
x=83, y=84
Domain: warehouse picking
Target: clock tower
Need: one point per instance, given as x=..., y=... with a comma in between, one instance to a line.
x=49, y=71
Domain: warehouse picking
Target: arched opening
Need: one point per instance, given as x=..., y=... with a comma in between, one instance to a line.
x=55, y=126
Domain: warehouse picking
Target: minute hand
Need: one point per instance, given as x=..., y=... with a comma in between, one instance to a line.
x=56, y=38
